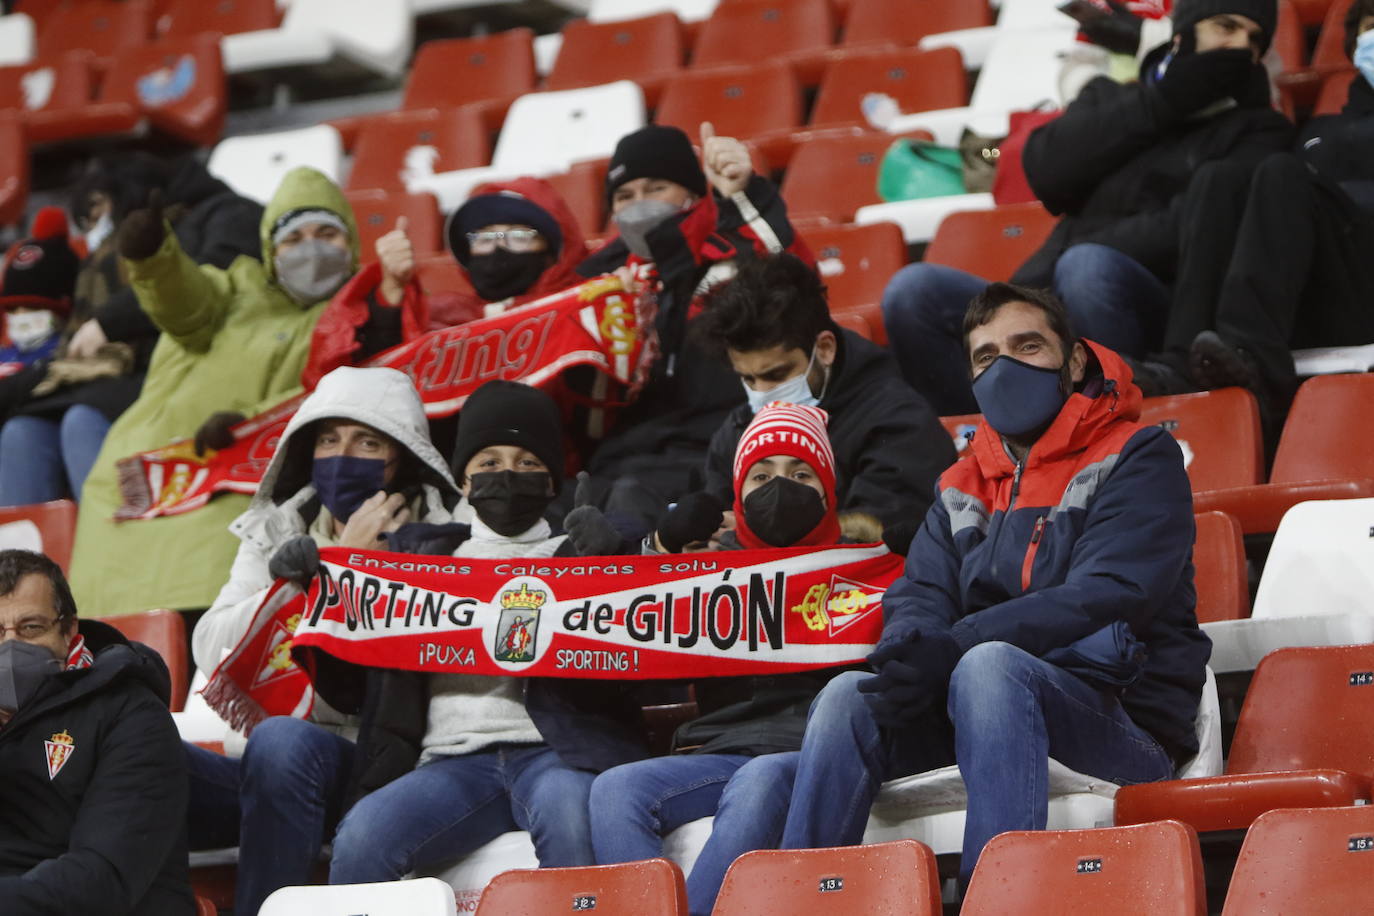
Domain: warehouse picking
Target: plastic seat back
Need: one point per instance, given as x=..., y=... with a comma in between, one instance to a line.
x=831, y=177
x=457, y=71
x=1305, y=861
x=185, y=18
x=165, y=632
x=177, y=83
x=906, y=22
x=253, y=165
x=1308, y=708
x=49, y=528
x=745, y=31
x=377, y=211
x=1289, y=43
x=1219, y=432
x=414, y=897
x=1219, y=568
x=742, y=102
x=1334, y=92
x=549, y=131
x=18, y=39
x=51, y=84
x=991, y=244
x=14, y=168
x=918, y=80
x=647, y=50
x=1328, y=434
x=1321, y=562
x=632, y=889
x=429, y=140
x=1328, y=55
x=882, y=879
x=104, y=27
x=583, y=189
x=1151, y=868
x=856, y=262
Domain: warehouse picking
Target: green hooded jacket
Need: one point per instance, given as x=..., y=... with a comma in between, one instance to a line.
x=231, y=340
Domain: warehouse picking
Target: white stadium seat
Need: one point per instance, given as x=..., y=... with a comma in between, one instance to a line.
x=417, y=897
x=374, y=36
x=253, y=165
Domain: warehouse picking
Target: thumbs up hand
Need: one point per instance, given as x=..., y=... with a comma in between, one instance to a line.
x=397, y=257
x=725, y=160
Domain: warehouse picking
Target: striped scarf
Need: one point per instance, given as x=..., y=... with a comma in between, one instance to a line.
x=78, y=656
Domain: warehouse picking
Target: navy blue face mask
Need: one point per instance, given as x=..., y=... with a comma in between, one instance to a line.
x=344, y=482
x=1017, y=398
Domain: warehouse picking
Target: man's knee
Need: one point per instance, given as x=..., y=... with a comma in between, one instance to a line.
x=762, y=787
x=921, y=292
x=839, y=701
x=989, y=669
x=286, y=750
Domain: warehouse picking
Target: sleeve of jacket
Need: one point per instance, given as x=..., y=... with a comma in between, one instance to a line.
x=903, y=454
x=719, y=469
x=123, y=319
x=222, y=626
x=759, y=213
x=187, y=302
x=132, y=815
x=926, y=595
x=1136, y=540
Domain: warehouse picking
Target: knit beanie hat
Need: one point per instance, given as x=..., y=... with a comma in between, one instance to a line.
x=1188, y=13
x=40, y=272
x=656, y=151
x=508, y=207
x=793, y=431
x=510, y=413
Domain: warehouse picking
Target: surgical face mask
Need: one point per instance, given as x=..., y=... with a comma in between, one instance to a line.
x=1364, y=55
x=23, y=669
x=502, y=274
x=345, y=482
x=1017, y=398
x=782, y=511
x=99, y=232
x=510, y=502
x=312, y=270
x=28, y=330
x=796, y=390
x=640, y=218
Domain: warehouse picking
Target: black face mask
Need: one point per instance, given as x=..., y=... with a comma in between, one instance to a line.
x=782, y=511
x=23, y=669
x=503, y=273
x=509, y=502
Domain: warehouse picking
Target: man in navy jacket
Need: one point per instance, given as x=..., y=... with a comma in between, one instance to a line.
x=1047, y=606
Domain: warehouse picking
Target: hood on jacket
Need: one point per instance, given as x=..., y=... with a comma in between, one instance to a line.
x=383, y=399
x=1107, y=396
x=305, y=188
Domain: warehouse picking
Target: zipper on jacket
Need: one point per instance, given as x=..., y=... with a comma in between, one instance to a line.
x=1011, y=504
x=1036, y=535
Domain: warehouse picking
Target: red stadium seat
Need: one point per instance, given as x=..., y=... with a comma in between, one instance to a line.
x=457, y=135
x=760, y=104
x=440, y=273
x=47, y=91
x=1304, y=862
x=632, y=889
x=747, y=31
x=1153, y=868
x=891, y=879
x=377, y=211
x=1219, y=569
x=53, y=528
x=1219, y=429
x=106, y=28
x=1334, y=93
x=490, y=71
x=1300, y=83
x=918, y=80
x=859, y=324
x=177, y=84
x=204, y=907
x=906, y=22
x=990, y=244
x=646, y=50
x=856, y=262
x=1313, y=12
x=185, y=18
x=14, y=169
x=830, y=177
x=1305, y=738
x=165, y=632
x=1329, y=54
x=583, y=189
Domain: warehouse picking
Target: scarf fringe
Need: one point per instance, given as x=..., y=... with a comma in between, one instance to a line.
x=134, y=492
x=233, y=704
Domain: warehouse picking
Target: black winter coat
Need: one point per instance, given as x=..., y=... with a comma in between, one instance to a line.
x=105, y=831
x=1339, y=146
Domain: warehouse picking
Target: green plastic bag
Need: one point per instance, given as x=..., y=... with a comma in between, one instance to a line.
x=914, y=169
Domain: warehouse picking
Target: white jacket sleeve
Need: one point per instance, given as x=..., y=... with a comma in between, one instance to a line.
x=227, y=620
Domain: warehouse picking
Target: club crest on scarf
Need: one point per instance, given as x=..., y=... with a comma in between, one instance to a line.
x=59, y=749
x=838, y=605
x=518, y=626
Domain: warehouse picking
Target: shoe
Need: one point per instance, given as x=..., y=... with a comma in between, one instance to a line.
x=1157, y=377
x=1214, y=363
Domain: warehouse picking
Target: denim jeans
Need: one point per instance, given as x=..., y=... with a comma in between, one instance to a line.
x=635, y=805
x=279, y=803
x=450, y=806
x=1010, y=711
x=43, y=459
x=1110, y=299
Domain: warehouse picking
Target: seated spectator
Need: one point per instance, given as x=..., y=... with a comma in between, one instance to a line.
x=1118, y=165
x=36, y=297
x=1047, y=604
x=773, y=324
x=736, y=760
x=233, y=344
x=354, y=463
x=92, y=787
x=448, y=762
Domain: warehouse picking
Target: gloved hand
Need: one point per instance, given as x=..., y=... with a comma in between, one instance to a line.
x=911, y=676
x=214, y=432
x=588, y=529
x=1118, y=32
x=297, y=560
x=141, y=232
x=899, y=535
x=1194, y=81
x=696, y=517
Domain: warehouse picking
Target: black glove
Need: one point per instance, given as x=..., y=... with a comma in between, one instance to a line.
x=1118, y=32
x=911, y=676
x=1194, y=81
x=696, y=517
x=899, y=535
x=592, y=534
x=214, y=432
x=141, y=232
x=296, y=561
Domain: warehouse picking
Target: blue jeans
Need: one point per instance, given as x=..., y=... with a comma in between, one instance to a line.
x=279, y=803
x=635, y=805
x=43, y=459
x=1011, y=712
x=450, y=806
x=1110, y=299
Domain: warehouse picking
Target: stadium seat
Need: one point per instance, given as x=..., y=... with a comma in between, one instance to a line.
x=253, y=164
x=18, y=42
x=49, y=84
x=747, y=31
x=632, y=889
x=990, y=243
x=416, y=897
x=1328, y=55
x=884, y=879
x=1152, y=868
x=1334, y=92
x=856, y=322
x=443, y=139
x=1300, y=83
x=440, y=273
x=647, y=50
x=106, y=28
x=1219, y=432
x=583, y=189
x=830, y=177
x=165, y=632
x=376, y=213
x=1219, y=569
x=694, y=11
x=47, y=527
x=758, y=104
x=1313, y=12
x=855, y=263
x=489, y=71
x=1326, y=451
x=904, y=22
x=205, y=907
x=185, y=18
x=1304, y=862
x=918, y=80
x=14, y=169
x=326, y=40
x=177, y=86
x=1305, y=738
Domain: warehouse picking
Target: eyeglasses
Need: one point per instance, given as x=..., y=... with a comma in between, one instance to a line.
x=488, y=240
x=28, y=630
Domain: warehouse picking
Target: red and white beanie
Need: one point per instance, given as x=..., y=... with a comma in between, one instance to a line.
x=793, y=431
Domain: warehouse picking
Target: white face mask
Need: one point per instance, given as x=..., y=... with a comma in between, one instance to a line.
x=28, y=330
x=796, y=390
x=99, y=232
